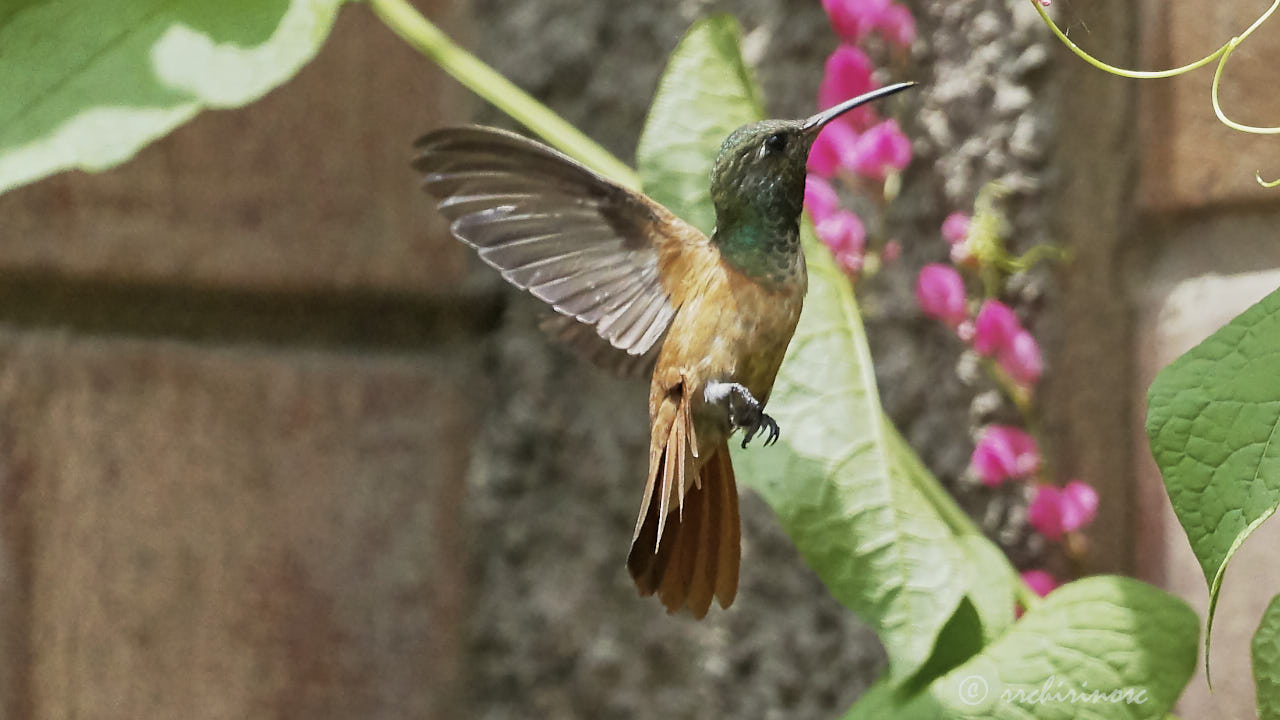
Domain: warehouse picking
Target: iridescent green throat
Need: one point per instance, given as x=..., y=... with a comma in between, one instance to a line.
x=763, y=251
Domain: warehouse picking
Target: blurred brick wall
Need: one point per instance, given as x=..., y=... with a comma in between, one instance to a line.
x=234, y=417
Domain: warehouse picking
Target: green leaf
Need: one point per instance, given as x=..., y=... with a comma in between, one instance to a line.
x=1212, y=417
x=1103, y=648
x=990, y=585
x=989, y=578
x=842, y=490
x=1266, y=662
x=705, y=93
x=87, y=84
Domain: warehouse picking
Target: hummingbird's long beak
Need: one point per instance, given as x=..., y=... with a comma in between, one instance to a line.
x=815, y=123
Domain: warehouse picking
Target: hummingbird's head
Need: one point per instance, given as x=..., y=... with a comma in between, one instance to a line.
x=759, y=174
x=761, y=169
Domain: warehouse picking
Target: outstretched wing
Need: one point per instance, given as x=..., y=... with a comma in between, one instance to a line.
x=589, y=248
x=589, y=346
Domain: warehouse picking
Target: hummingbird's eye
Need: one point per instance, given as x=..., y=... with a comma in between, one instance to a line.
x=775, y=142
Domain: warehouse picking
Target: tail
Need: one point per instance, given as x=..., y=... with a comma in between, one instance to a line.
x=688, y=553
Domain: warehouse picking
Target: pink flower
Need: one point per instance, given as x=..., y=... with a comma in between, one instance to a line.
x=1079, y=505
x=830, y=148
x=897, y=25
x=847, y=74
x=851, y=262
x=880, y=149
x=994, y=328
x=892, y=251
x=1004, y=452
x=843, y=232
x=1021, y=358
x=853, y=19
x=955, y=229
x=1054, y=511
x=1040, y=581
x=1045, y=512
x=940, y=293
x=820, y=198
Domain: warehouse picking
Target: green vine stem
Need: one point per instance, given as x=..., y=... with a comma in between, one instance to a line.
x=1136, y=74
x=1221, y=55
x=1217, y=79
x=489, y=84
x=1150, y=74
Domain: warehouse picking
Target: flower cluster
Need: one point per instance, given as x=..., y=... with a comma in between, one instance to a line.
x=993, y=331
x=1009, y=453
x=858, y=147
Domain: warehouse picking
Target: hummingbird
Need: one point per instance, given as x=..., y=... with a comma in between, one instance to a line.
x=636, y=287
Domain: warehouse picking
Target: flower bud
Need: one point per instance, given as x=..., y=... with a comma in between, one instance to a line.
x=1055, y=511
x=847, y=74
x=891, y=251
x=1004, y=452
x=1021, y=358
x=843, y=232
x=897, y=25
x=820, y=198
x=994, y=328
x=831, y=148
x=940, y=293
x=1045, y=512
x=1079, y=505
x=879, y=150
x=1040, y=581
x=853, y=19
x=955, y=229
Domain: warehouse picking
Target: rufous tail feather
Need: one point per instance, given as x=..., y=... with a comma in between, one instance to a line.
x=686, y=546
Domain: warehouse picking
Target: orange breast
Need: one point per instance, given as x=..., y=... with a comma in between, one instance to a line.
x=729, y=329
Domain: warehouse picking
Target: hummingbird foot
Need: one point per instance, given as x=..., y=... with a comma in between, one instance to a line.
x=744, y=411
x=770, y=426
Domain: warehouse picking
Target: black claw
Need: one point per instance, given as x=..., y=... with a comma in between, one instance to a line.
x=772, y=426
x=772, y=431
x=747, y=413
x=775, y=432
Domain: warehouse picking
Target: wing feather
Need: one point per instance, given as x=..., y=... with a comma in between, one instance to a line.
x=589, y=345
x=565, y=290
x=639, y=318
x=585, y=245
